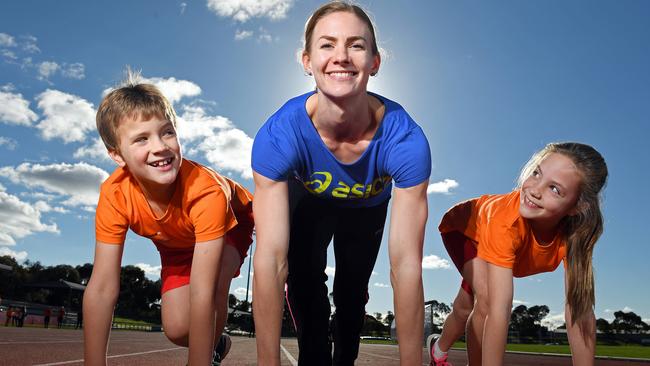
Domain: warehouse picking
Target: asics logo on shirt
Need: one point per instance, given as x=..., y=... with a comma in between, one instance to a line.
x=319, y=182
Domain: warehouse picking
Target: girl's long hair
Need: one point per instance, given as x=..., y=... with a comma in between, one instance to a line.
x=583, y=229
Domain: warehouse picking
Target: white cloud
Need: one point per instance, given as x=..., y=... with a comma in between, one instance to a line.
x=243, y=34
x=19, y=219
x=43, y=206
x=374, y=273
x=552, y=321
x=240, y=292
x=434, y=262
x=47, y=69
x=183, y=6
x=381, y=285
x=243, y=10
x=442, y=187
x=264, y=36
x=14, y=109
x=7, y=40
x=18, y=256
x=172, y=88
x=9, y=55
x=67, y=116
x=77, y=183
x=39, y=196
x=330, y=271
x=195, y=124
x=28, y=44
x=8, y=143
x=96, y=151
x=229, y=150
x=149, y=270
x=519, y=302
x=224, y=146
x=74, y=71
x=626, y=309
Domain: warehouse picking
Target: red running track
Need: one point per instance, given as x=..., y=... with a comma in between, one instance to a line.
x=38, y=346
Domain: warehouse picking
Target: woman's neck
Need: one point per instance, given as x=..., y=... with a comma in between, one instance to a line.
x=342, y=120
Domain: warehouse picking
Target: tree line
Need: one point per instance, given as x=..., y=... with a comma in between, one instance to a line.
x=139, y=299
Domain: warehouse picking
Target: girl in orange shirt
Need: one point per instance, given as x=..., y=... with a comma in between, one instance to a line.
x=553, y=216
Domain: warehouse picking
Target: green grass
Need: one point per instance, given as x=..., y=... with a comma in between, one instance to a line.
x=131, y=321
x=378, y=341
x=633, y=351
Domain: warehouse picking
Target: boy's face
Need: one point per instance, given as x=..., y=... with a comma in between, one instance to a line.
x=150, y=150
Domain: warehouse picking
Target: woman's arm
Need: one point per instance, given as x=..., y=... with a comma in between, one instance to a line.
x=203, y=287
x=271, y=211
x=99, y=301
x=495, y=333
x=582, y=336
x=408, y=218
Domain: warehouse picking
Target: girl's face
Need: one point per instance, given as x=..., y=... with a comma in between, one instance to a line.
x=551, y=192
x=340, y=55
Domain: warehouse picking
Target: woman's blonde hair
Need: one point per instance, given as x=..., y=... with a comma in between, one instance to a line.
x=583, y=229
x=335, y=7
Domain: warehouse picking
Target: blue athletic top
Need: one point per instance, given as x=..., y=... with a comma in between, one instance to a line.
x=288, y=145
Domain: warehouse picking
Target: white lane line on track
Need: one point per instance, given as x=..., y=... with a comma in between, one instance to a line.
x=114, y=356
x=380, y=356
x=37, y=342
x=286, y=353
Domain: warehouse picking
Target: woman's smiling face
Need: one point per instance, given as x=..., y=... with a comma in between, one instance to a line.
x=340, y=55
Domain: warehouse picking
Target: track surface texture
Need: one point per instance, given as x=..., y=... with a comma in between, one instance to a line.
x=37, y=346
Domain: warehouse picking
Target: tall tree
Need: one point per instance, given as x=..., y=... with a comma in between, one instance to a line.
x=388, y=319
x=527, y=321
x=379, y=317
x=603, y=326
x=628, y=322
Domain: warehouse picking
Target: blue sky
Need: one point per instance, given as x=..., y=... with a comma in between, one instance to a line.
x=490, y=83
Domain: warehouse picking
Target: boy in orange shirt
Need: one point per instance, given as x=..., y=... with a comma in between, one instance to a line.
x=200, y=222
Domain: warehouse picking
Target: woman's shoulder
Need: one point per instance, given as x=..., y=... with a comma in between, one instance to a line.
x=397, y=122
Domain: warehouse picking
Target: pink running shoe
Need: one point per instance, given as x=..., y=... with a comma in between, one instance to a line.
x=431, y=341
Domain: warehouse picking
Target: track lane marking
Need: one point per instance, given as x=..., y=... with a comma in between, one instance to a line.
x=291, y=359
x=114, y=356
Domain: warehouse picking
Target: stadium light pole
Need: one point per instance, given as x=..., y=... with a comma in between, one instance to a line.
x=248, y=277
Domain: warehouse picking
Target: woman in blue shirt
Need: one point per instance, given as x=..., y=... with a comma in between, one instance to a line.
x=324, y=166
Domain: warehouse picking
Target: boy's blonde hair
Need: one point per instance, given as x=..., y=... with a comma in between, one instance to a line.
x=132, y=100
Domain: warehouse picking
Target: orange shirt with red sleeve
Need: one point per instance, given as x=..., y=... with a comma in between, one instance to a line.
x=202, y=208
x=503, y=237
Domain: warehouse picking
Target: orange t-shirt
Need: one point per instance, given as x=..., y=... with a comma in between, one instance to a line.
x=503, y=237
x=204, y=207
